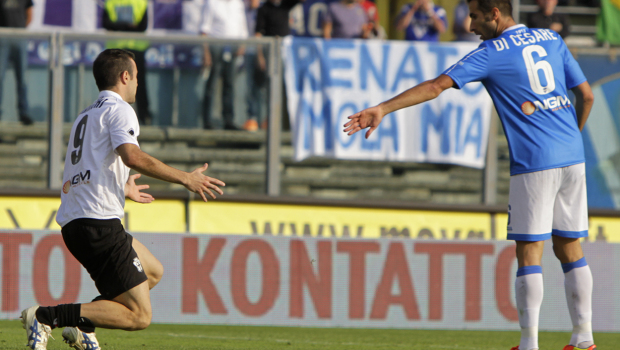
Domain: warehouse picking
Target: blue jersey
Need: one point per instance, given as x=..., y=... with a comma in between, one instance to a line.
x=527, y=72
x=306, y=18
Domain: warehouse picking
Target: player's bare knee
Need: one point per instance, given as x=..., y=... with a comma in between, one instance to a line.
x=141, y=320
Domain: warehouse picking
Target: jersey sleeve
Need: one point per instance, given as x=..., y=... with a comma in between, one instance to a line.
x=572, y=70
x=472, y=67
x=123, y=126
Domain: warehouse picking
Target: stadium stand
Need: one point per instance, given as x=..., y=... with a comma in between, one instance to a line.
x=239, y=157
x=582, y=18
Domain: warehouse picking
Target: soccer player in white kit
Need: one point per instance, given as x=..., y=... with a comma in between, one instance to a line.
x=103, y=146
x=527, y=72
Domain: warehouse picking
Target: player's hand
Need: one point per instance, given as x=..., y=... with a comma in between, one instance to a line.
x=199, y=183
x=368, y=118
x=132, y=191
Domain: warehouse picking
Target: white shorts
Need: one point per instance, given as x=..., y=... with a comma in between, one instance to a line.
x=548, y=202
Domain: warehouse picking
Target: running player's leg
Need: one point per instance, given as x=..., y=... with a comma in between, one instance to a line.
x=529, y=224
x=569, y=224
x=130, y=311
x=106, y=251
x=152, y=267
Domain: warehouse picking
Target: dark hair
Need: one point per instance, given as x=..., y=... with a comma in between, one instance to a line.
x=109, y=66
x=486, y=6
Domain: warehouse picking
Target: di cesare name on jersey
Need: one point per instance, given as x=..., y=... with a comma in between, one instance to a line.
x=525, y=39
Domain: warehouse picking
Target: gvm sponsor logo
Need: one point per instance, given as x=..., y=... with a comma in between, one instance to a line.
x=81, y=178
x=553, y=102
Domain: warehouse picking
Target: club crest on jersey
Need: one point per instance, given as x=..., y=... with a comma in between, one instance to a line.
x=138, y=264
x=554, y=103
x=131, y=132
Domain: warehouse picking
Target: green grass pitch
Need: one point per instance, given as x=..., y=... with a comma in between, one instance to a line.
x=181, y=337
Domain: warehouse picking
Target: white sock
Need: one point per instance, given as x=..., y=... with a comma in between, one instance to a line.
x=529, y=294
x=578, y=288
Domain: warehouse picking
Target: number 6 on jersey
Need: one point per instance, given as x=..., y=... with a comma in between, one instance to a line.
x=534, y=67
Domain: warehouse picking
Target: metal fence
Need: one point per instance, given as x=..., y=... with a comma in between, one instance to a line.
x=60, y=50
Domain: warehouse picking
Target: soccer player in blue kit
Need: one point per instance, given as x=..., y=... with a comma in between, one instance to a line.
x=527, y=73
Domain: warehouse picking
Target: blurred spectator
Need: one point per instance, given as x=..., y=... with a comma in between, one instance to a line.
x=306, y=18
x=371, y=10
x=222, y=19
x=460, y=28
x=422, y=20
x=346, y=19
x=546, y=18
x=131, y=16
x=272, y=19
x=16, y=14
x=376, y=32
x=254, y=88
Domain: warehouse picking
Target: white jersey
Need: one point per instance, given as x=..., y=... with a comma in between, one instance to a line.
x=95, y=175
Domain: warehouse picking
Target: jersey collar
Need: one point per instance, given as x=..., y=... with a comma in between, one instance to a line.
x=109, y=93
x=516, y=26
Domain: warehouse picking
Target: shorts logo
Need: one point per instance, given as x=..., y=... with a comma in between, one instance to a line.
x=66, y=187
x=136, y=262
x=131, y=132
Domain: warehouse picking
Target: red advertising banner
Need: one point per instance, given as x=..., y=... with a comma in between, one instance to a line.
x=329, y=282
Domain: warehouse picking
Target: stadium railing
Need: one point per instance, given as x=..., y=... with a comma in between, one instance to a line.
x=251, y=163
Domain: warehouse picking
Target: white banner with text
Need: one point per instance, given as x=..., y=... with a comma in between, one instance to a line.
x=329, y=80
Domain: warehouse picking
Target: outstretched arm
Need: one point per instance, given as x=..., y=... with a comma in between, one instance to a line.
x=145, y=164
x=371, y=117
x=583, y=102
